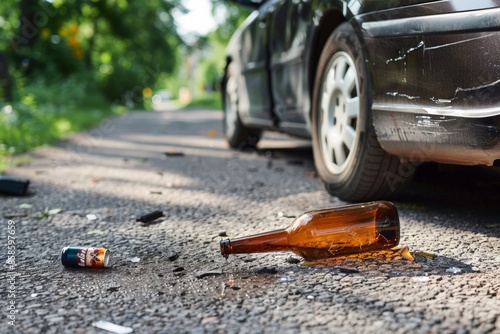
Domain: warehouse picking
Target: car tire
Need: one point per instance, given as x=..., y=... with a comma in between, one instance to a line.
x=237, y=135
x=347, y=155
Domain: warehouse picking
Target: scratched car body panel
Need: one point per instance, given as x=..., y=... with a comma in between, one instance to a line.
x=441, y=66
x=433, y=69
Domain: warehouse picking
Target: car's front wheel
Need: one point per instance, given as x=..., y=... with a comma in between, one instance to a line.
x=237, y=134
x=347, y=155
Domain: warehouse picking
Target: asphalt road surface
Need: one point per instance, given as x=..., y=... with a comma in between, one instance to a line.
x=169, y=276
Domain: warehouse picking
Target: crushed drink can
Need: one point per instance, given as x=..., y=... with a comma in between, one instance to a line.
x=85, y=257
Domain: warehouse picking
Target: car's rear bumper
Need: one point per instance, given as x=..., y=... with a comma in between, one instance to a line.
x=445, y=139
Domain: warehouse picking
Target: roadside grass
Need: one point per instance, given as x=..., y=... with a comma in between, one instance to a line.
x=47, y=111
x=210, y=101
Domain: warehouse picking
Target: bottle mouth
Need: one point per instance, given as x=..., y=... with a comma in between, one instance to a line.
x=225, y=247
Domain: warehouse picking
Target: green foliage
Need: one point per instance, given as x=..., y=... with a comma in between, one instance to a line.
x=132, y=55
x=47, y=111
x=122, y=85
x=235, y=16
x=126, y=44
x=211, y=100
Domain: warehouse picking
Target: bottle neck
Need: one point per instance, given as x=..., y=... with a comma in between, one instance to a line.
x=274, y=241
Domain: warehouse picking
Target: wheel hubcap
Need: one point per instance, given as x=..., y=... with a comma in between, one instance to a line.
x=230, y=106
x=339, y=113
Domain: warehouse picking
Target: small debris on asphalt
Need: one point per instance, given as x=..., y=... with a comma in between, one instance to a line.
x=281, y=214
x=95, y=180
x=213, y=272
x=25, y=206
x=286, y=278
x=15, y=215
x=11, y=185
x=155, y=192
x=212, y=133
x=230, y=282
x=135, y=259
x=223, y=234
x=267, y=270
x=454, y=270
x=110, y=327
x=292, y=260
x=97, y=232
x=147, y=218
x=54, y=211
x=173, y=154
x=405, y=252
x=420, y=278
x=91, y=217
x=173, y=257
x=178, y=269
x=426, y=255
x=47, y=213
x=210, y=320
x=312, y=174
x=113, y=288
x=348, y=271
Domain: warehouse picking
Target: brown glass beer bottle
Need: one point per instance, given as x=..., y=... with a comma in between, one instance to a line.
x=327, y=233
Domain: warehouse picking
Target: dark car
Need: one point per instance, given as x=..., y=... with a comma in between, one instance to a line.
x=379, y=85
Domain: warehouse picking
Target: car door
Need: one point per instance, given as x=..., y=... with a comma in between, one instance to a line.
x=250, y=56
x=288, y=27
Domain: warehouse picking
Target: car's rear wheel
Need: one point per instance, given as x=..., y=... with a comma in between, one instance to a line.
x=347, y=154
x=237, y=134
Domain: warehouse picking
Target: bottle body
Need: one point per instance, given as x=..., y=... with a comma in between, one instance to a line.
x=328, y=233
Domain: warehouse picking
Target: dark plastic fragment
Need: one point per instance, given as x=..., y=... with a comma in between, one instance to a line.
x=150, y=216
